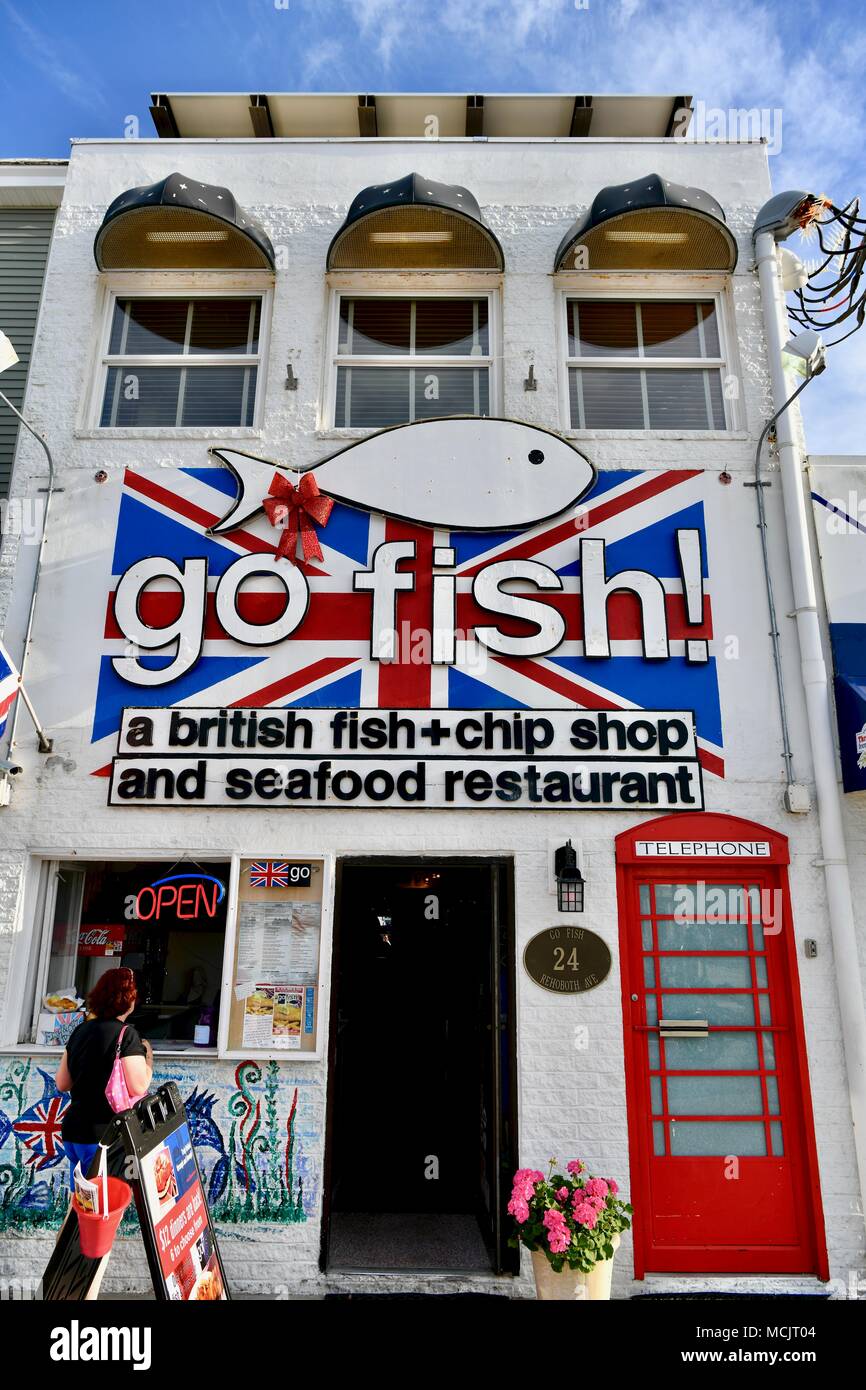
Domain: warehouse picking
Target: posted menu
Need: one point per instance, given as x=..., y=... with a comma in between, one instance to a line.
x=277, y=954
x=279, y=941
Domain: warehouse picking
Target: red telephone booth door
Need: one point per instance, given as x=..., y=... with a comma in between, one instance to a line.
x=724, y=1170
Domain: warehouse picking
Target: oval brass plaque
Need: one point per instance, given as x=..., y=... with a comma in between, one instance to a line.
x=567, y=960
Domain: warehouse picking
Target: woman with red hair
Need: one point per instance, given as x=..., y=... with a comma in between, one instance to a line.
x=89, y=1059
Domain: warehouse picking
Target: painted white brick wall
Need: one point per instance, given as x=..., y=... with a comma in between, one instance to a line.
x=571, y=1101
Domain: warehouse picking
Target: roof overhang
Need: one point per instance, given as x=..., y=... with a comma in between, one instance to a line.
x=37, y=183
x=417, y=115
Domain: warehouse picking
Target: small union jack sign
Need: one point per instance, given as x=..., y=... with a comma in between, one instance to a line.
x=268, y=874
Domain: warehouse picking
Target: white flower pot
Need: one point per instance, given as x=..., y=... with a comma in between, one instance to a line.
x=598, y=1279
x=571, y=1284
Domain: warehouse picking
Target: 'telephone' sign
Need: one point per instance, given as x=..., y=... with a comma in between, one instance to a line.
x=702, y=849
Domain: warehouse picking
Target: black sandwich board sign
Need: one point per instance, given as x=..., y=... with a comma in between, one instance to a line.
x=150, y=1147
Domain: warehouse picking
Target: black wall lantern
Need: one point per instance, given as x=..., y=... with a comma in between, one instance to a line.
x=569, y=879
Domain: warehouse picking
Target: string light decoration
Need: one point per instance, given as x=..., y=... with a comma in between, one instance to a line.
x=835, y=292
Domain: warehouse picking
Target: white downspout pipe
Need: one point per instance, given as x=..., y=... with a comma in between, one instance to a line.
x=819, y=712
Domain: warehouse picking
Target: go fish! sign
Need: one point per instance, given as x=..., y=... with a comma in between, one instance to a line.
x=495, y=460
x=461, y=567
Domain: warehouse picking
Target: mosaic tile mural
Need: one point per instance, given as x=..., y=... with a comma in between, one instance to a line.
x=254, y=1128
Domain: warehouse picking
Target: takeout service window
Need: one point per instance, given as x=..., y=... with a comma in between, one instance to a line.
x=163, y=919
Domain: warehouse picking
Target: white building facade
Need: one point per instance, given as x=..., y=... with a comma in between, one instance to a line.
x=331, y=963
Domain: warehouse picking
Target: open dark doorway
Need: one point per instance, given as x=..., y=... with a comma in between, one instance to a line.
x=421, y=1134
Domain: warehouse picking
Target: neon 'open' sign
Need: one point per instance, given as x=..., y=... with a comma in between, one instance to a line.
x=186, y=896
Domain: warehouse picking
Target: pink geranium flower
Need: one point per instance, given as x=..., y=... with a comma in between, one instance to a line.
x=597, y=1187
x=524, y=1183
x=519, y=1209
x=575, y=1166
x=586, y=1214
x=562, y=1194
x=613, y=1185
x=558, y=1234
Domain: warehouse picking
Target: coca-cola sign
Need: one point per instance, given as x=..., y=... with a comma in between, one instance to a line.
x=101, y=941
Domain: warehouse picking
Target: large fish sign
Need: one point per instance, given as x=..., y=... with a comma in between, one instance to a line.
x=461, y=473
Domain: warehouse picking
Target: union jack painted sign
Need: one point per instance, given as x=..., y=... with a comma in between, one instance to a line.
x=39, y=1128
x=326, y=661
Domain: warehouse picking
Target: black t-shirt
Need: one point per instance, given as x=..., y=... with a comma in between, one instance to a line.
x=90, y=1054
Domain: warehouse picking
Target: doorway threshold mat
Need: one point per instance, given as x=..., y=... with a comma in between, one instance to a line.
x=384, y=1241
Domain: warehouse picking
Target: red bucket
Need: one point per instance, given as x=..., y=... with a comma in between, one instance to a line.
x=95, y=1232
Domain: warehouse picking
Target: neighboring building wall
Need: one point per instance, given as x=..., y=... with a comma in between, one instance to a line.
x=30, y=193
x=29, y=196
x=25, y=236
x=569, y=1100
x=853, y=803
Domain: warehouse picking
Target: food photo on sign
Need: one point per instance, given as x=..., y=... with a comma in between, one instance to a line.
x=178, y=1212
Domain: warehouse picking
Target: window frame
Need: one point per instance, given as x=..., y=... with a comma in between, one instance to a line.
x=51, y=872
x=449, y=286
x=150, y=285
x=629, y=287
x=31, y=949
x=19, y=1030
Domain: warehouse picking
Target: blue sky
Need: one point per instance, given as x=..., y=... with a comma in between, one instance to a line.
x=82, y=68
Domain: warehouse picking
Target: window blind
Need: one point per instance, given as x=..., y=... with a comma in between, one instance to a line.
x=184, y=392
x=669, y=396
x=419, y=331
x=180, y=396
x=370, y=397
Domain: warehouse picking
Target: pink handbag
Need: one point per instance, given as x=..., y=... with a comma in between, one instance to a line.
x=117, y=1092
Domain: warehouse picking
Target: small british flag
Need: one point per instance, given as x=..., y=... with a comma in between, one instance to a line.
x=9, y=685
x=268, y=874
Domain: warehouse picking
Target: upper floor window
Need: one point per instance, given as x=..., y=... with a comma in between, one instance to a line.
x=182, y=362
x=398, y=360
x=645, y=364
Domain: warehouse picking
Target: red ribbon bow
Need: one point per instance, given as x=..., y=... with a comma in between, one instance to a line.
x=300, y=508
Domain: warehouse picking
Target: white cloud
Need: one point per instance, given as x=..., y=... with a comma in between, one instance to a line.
x=326, y=56
x=625, y=10
x=387, y=24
